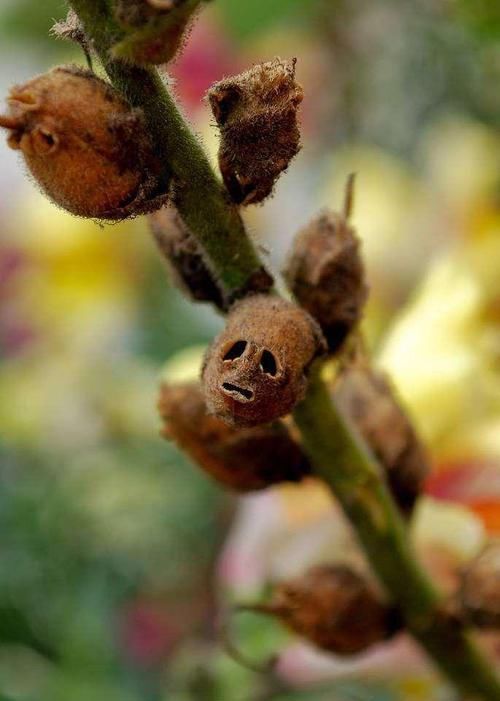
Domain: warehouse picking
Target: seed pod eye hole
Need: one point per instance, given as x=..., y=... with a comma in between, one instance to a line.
x=236, y=350
x=268, y=363
x=44, y=142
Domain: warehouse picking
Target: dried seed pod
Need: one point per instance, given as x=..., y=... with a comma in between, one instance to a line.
x=257, y=116
x=71, y=29
x=184, y=257
x=334, y=608
x=242, y=459
x=84, y=145
x=368, y=399
x=155, y=29
x=480, y=589
x=326, y=275
x=255, y=370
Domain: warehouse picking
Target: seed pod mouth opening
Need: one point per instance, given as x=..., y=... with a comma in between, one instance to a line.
x=238, y=393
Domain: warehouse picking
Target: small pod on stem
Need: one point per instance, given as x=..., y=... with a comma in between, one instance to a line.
x=84, y=145
x=255, y=371
x=326, y=275
x=245, y=459
x=256, y=112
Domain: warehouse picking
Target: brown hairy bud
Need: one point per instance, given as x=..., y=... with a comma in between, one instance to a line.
x=326, y=275
x=84, y=145
x=255, y=370
x=368, y=399
x=155, y=29
x=257, y=116
x=480, y=589
x=242, y=459
x=334, y=608
x=184, y=257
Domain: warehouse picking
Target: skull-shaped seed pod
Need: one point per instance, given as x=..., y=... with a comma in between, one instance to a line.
x=326, y=275
x=480, y=588
x=334, y=608
x=155, y=29
x=184, y=257
x=368, y=399
x=257, y=116
x=84, y=145
x=255, y=370
x=245, y=459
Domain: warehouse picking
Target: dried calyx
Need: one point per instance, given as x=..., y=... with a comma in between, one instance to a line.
x=84, y=145
x=241, y=459
x=326, y=275
x=154, y=29
x=368, y=399
x=256, y=112
x=255, y=371
x=334, y=608
x=480, y=589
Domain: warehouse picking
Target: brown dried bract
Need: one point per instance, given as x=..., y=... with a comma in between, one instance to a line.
x=255, y=370
x=326, y=275
x=256, y=112
x=334, y=608
x=184, y=257
x=241, y=459
x=84, y=145
x=368, y=399
x=480, y=589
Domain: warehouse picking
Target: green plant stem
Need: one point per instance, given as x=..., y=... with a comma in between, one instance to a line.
x=199, y=196
x=338, y=457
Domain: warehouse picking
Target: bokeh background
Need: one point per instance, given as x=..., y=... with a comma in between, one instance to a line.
x=116, y=554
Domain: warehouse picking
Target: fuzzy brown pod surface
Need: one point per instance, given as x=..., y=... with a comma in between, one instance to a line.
x=334, y=608
x=326, y=275
x=480, y=588
x=255, y=370
x=257, y=116
x=245, y=459
x=84, y=145
x=368, y=399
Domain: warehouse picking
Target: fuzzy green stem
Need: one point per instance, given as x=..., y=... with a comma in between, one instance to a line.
x=199, y=196
x=339, y=458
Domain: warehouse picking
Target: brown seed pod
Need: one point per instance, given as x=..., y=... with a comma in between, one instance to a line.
x=480, y=589
x=155, y=29
x=368, y=399
x=184, y=257
x=241, y=459
x=84, y=145
x=334, y=608
x=255, y=370
x=326, y=275
x=256, y=112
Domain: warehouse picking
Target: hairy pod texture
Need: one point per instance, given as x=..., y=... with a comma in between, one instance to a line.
x=255, y=371
x=244, y=460
x=256, y=112
x=326, y=275
x=155, y=29
x=184, y=257
x=480, y=589
x=334, y=608
x=368, y=399
x=84, y=145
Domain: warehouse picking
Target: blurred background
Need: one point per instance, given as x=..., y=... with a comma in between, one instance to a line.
x=116, y=554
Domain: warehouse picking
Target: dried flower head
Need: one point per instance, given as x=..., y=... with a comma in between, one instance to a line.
x=155, y=29
x=334, y=608
x=369, y=400
x=326, y=275
x=480, y=589
x=256, y=112
x=184, y=257
x=242, y=459
x=84, y=145
x=255, y=370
